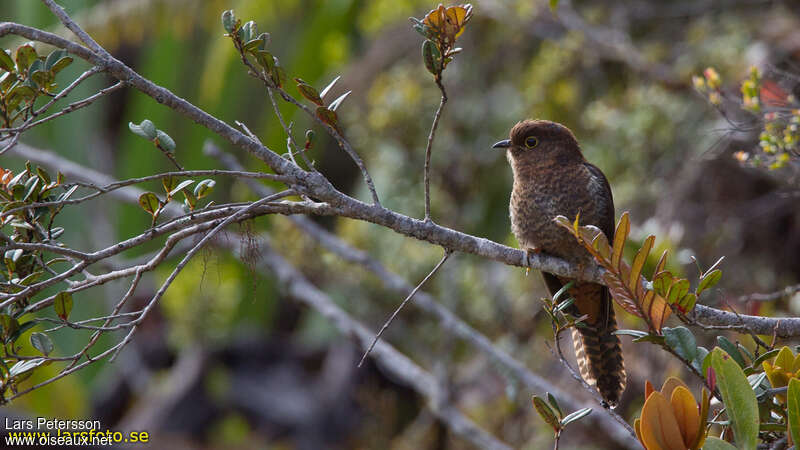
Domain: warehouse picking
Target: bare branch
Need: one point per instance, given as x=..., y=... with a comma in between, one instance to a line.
x=429, y=146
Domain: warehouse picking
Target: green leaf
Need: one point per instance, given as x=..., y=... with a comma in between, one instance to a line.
x=634, y=333
x=793, y=408
x=327, y=116
x=57, y=60
x=308, y=91
x=677, y=291
x=554, y=403
x=709, y=280
x=189, y=199
x=179, y=187
x=149, y=202
x=335, y=104
x=768, y=355
x=204, y=188
x=63, y=304
x=228, y=21
x=146, y=129
x=740, y=400
x=731, y=350
x=553, y=5
x=638, y=263
x=577, y=415
x=563, y=290
x=682, y=341
x=715, y=443
x=25, y=365
x=546, y=412
x=42, y=342
x=661, y=283
x=164, y=141
x=26, y=55
x=10, y=326
x=686, y=304
x=431, y=56
x=22, y=328
x=43, y=175
x=169, y=183
x=6, y=63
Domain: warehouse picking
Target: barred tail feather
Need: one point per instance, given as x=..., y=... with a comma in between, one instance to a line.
x=600, y=362
x=597, y=349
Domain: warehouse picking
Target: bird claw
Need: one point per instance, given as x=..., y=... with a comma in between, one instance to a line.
x=528, y=253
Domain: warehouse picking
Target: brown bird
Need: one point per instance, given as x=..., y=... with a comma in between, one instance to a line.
x=551, y=177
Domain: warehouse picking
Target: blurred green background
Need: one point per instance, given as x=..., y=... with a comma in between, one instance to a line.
x=620, y=79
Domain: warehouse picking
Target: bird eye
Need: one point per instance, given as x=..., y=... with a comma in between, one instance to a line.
x=531, y=142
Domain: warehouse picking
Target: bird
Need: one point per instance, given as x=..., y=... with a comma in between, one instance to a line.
x=551, y=178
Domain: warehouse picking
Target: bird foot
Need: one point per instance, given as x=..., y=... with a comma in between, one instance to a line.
x=528, y=253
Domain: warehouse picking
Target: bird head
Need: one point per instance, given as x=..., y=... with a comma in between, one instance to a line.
x=539, y=143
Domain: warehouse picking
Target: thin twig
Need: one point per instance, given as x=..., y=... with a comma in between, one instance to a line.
x=447, y=253
x=429, y=147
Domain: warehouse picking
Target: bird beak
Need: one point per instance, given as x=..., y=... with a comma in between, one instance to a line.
x=502, y=144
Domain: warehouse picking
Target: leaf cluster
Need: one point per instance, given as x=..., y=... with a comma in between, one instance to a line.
x=25, y=78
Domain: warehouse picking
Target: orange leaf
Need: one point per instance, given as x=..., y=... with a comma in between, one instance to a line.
x=623, y=228
x=685, y=409
x=659, y=427
x=634, y=282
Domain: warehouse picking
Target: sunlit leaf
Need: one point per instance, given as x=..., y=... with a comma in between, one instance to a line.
x=62, y=303
x=658, y=425
x=204, y=188
x=150, y=203
x=308, y=92
x=554, y=403
x=634, y=282
x=685, y=409
x=709, y=280
x=620, y=235
x=546, y=413
x=740, y=400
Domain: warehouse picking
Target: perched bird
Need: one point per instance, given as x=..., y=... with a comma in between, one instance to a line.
x=551, y=177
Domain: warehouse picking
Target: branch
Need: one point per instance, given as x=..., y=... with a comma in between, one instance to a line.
x=403, y=304
x=429, y=146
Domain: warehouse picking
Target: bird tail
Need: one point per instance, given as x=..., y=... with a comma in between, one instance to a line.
x=597, y=349
x=599, y=357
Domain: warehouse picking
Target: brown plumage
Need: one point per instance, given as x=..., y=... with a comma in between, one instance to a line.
x=551, y=177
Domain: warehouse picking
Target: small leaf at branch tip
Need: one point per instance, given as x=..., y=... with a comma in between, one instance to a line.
x=62, y=303
x=146, y=129
x=149, y=203
x=228, y=20
x=329, y=87
x=335, y=104
x=164, y=141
